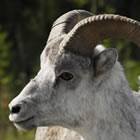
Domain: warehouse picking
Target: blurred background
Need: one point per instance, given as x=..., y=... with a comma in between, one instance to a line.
x=24, y=28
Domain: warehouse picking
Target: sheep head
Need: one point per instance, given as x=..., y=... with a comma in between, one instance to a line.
x=64, y=92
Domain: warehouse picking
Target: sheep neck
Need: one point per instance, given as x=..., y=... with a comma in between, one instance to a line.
x=115, y=112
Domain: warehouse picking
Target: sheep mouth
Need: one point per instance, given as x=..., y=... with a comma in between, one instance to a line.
x=23, y=121
x=26, y=124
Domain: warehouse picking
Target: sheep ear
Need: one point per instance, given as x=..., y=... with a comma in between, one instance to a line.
x=105, y=60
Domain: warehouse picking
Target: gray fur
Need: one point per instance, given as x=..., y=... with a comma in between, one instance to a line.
x=97, y=103
x=103, y=103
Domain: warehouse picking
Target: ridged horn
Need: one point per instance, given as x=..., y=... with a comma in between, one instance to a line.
x=93, y=30
x=66, y=22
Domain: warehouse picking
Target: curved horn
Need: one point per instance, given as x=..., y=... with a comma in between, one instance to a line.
x=66, y=22
x=93, y=30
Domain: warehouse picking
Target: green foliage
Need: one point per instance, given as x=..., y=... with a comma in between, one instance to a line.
x=132, y=72
x=10, y=133
x=80, y=2
x=138, y=81
x=5, y=76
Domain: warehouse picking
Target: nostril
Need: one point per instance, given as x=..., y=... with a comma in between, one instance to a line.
x=15, y=109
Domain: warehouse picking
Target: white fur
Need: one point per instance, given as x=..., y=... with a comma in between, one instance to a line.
x=98, y=108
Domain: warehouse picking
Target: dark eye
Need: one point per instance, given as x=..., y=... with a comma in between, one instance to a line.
x=66, y=76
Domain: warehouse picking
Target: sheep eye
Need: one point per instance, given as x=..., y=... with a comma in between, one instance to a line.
x=66, y=76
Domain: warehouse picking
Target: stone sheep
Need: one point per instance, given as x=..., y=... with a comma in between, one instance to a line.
x=81, y=85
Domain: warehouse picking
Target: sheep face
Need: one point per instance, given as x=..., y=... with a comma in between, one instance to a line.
x=52, y=97
x=63, y=92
